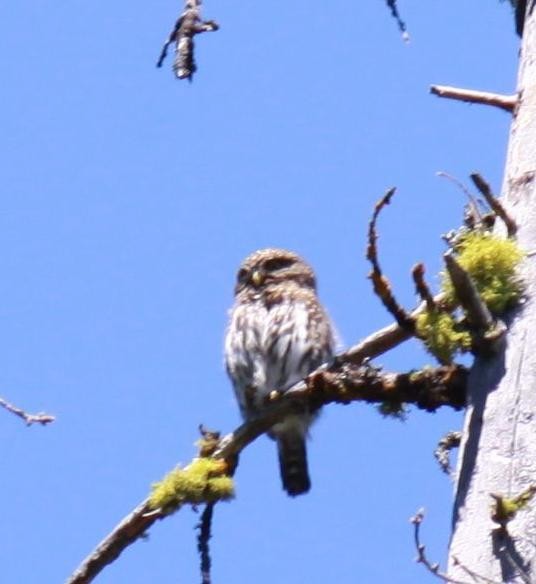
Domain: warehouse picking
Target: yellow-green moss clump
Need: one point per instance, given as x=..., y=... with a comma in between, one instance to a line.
x=204, y=480
x=491, y=262
x=441, y=335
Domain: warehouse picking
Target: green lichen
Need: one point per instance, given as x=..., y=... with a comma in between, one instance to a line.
x=505, y=509
x=441, y=335
x=204, y=480
x=492, y=263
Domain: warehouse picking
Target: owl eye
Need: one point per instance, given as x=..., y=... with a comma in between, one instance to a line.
x=277, y=264
x=242, y=275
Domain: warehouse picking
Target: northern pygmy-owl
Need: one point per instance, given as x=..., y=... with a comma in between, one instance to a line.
x=278, y=333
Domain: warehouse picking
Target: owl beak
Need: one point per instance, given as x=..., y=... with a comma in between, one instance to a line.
x=257, y=278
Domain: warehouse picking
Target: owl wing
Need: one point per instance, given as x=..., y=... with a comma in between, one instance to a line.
x=244, y=354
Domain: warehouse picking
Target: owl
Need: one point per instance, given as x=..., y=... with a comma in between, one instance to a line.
x=278, y=333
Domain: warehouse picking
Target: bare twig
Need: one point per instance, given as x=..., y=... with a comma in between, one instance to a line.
x=449, y=441
x=504, y=102
x=472, y=201
x=40, y=418
x=486, y=333
x=422, y=287
x=391, y=4
x=187, y=26
x=205, y=533
x=381, y=284
x=494, y=203
x=434, y=568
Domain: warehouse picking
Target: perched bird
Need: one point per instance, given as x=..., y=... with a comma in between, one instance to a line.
x=278, y=333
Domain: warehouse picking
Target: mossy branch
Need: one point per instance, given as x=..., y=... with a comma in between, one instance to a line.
x=348, y=379
x=343, y=382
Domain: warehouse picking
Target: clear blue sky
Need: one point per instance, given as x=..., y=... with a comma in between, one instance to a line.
x=129, y=200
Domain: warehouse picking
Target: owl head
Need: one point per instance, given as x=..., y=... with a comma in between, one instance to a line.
x=266, y=267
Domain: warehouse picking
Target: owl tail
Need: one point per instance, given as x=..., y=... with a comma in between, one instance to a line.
x=293, y=462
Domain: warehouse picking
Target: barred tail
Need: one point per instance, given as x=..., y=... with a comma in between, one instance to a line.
x=293, y=462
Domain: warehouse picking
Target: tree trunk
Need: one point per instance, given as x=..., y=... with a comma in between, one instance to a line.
x=498, y=453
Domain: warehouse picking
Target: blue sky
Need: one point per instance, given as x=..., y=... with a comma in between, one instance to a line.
x=129, y=200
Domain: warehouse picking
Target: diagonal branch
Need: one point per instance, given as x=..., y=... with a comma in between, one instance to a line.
x=434, y=568
x=342, y=382
x=391, y=4
x=30, y=419
x=504, y=102
x=494, y=203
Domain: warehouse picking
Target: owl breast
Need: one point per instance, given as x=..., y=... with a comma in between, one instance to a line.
x=272, y=347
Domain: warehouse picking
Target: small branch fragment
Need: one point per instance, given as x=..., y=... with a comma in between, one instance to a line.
x=208, y=442
x=205, y=533
x=40, y=418
x=494, y=203
x=382, y=287
x=434, y=568
x=486, y=333
x=504, y=102
x=422, y=287
x=187, y=26
x=450, y=441
x=391, y=4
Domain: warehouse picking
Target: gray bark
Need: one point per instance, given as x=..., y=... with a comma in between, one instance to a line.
x=498, y=452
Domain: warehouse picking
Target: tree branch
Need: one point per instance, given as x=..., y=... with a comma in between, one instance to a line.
x=343, y=382
x=494, y=204
x=434, y=568
x=381, y=285
x=487, y=334
x=421, y=286
x=449, y=441
x=30, y=419
x=504, y=102
x=391, y=4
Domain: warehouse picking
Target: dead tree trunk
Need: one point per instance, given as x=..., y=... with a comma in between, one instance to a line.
x=498, y=453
